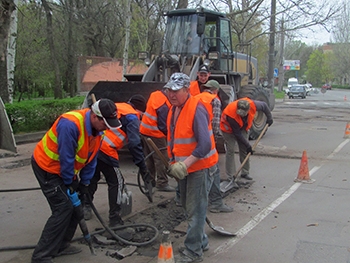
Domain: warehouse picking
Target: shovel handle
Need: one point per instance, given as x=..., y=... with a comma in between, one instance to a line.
x=93, y=98
x=253, y=148
x=158, y=152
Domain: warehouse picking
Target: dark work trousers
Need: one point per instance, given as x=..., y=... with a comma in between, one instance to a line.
x=115, y=182
x=61, y=225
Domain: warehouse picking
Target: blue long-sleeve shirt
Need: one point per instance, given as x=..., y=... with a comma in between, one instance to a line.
x=67, y=136
x=162, y=113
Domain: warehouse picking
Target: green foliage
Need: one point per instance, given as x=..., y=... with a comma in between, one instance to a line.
x=340, y=86
x=315, y=68
x=278, y=94
x=39, y=115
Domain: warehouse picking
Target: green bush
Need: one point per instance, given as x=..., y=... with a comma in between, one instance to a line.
x=334, y=86
x=39, y=115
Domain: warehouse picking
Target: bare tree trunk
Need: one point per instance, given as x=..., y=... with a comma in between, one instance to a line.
x=280, y=68
x=57, y=86
x=182, y=4
x=127, y=39
x=11, y=53
x=70, y=55
x=6, y=9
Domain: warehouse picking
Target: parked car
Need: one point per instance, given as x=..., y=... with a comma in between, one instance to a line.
x=327, y=86
x=297, y=91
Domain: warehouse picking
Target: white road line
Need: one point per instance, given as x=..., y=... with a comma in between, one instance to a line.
x=267, y=210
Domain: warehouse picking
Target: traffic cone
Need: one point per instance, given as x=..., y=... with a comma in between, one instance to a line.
x=303, y=174
x=347, y=131
x=166, y=254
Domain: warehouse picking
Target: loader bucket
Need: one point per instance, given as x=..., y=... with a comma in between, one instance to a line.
x=119, y=91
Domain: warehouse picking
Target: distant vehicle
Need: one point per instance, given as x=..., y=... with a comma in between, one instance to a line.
x=308, y=88
x=327, y=86
x=297, y=91
x=292, y=82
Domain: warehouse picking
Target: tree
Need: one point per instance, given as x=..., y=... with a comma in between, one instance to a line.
x=317, y=70
x=6, y=9
x=340, y=59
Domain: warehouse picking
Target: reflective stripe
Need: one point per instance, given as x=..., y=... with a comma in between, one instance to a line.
x=154, y=128
x=150, y=116
x=117, y=133
x=48, y=152
x=185, y=140
x=183, y=158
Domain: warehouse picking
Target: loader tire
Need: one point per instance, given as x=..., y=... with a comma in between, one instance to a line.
x=255, y=93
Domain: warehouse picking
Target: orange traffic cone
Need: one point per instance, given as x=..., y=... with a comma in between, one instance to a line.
x=166, y=254
x=347, y=131
x=303, y=174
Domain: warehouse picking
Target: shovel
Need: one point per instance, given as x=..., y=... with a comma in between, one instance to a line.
x=227, y=186
x=218, y=229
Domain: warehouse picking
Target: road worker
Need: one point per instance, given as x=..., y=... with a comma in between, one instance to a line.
x=203, y=75
x=236, y=120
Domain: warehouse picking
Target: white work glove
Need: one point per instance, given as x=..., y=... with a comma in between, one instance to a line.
x=178, y=170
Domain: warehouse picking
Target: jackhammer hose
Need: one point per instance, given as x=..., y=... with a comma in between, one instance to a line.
x=106, y=228
x=119, y=238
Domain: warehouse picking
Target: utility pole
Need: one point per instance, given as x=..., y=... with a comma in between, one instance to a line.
x=280, y=68
x=272, y=53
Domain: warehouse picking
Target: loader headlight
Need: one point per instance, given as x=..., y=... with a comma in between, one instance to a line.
x=213, y=55
x=206, y=62
x=147, y=61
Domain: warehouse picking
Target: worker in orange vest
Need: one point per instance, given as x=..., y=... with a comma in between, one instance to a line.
x=213, y=104
x=108, y=158
x=191, y=149
x=153, y=125
x=236, y=120
x=69, y=148
x=203, y=75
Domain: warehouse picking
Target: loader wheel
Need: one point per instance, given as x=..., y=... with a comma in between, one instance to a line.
x=255, y=93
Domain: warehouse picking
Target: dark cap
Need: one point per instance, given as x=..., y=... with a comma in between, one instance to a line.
x=107, y=110
x=138, y=102
x=203, y=68
x=178, y=81
x=243, y=107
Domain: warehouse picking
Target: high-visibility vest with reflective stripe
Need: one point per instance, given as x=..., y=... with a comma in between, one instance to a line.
x=115, y=139
x=46, y=151
x=194, y=88
x=149, y=124
x=231, y=111
x=184, y=139
x=207, y=99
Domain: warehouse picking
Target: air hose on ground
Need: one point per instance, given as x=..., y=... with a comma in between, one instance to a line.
x=106, y=228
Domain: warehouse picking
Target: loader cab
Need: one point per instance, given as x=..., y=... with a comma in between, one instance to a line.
x=200, y=32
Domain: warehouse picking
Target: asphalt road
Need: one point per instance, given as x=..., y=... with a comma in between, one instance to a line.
x=276, y=219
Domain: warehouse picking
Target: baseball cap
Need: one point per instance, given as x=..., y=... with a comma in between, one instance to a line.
x=138, y=102
x=243, y=107
x=178, y=81
x=203, y=68
x=212, y=84
x=107, y=110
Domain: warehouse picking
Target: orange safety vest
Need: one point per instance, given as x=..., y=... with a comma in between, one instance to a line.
x=115, y=139
x=149, y=124
x=194, y=88
x=46, y=151
x=230, y=111
x=184, y=138
x=207, y=99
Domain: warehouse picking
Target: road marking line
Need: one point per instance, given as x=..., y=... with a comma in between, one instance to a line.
x=267, y=210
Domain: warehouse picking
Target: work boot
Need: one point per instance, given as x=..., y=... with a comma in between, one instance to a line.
x=166, y=188
x=246, y=176
x=187, y=257
x=69, y=250
x=221, y=209
x=115, y=221
x=87, y=212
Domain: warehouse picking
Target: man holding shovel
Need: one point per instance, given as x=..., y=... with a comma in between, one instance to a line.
x=236, y=120
x=191, y=149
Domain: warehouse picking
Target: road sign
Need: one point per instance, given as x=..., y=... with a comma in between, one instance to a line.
x=291, y=65
x=275, y=72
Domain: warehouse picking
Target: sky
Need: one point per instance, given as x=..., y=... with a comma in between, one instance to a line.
x=319, y=37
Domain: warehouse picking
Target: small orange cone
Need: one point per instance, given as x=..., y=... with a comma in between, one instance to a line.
x=166, y=254
x=347, y=131
x=303, y=174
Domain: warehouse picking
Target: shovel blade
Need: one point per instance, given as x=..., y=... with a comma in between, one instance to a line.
x=226, y=186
